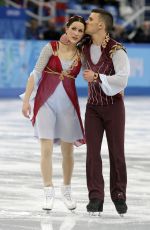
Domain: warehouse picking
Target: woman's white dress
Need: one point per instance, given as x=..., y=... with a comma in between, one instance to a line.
x=57, y=118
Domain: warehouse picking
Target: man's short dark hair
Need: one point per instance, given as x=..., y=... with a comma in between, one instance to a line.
x=106, y=16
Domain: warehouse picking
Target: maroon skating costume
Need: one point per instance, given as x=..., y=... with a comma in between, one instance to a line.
x=104, y=113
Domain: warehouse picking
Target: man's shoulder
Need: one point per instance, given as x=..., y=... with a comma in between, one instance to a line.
x=113, y=42
x=113, y=46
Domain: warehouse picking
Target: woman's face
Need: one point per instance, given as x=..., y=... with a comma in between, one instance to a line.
x=75, y=32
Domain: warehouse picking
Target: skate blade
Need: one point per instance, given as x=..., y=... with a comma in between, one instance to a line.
x=121, y=215
x=47, y=211
x=72, y=210
x=95, y=214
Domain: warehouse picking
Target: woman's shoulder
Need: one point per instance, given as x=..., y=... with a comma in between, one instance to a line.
x=48, y=48
x=54, y=45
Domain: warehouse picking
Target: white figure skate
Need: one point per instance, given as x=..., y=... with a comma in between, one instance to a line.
x=49, y=196
x=67, y=197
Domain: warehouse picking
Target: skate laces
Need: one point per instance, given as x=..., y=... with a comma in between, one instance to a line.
x=66, y=190
x=49, y=192
x=120, y=198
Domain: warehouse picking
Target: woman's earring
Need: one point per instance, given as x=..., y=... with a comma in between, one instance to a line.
x=64, y=39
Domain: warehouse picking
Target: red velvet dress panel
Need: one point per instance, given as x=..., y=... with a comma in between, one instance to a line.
x=50, y=80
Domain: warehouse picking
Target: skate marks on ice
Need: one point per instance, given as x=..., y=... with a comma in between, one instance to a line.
x=56, y=221
x=62, y=219
x=20, y=180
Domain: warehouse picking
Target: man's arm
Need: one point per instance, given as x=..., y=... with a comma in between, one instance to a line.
x=111, y=85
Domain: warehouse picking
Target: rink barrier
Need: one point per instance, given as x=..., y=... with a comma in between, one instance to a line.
x=18, y=57
x=82, y=92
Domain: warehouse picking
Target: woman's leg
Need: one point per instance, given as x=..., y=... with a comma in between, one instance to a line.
x=67, y=162
x=46, y=171
x=67, y=165
x=46, y=161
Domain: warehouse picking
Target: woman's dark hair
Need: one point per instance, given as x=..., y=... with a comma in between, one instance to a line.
x=106, y=17
x=85, y=40
x=76, y=18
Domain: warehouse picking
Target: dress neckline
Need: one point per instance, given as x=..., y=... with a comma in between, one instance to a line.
x=74, y=63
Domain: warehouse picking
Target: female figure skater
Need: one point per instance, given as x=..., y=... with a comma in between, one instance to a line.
x=56, y=112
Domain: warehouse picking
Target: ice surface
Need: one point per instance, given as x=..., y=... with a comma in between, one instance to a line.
x=21, y=184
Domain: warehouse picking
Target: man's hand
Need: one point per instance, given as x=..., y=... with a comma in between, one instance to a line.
x=88, y=75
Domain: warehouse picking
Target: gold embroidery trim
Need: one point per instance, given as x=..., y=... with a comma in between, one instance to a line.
x=63, y=74
x=105, y=41
x=114, y=48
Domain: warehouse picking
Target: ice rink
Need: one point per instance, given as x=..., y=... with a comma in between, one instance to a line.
x=21, y=193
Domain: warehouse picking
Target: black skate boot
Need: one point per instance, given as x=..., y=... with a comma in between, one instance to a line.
x=95, y=205
x=120, y=205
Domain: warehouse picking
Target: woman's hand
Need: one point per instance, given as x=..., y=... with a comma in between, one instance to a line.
x=26, y=109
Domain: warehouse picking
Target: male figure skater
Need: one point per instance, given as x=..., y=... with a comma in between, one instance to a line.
x=107, y=71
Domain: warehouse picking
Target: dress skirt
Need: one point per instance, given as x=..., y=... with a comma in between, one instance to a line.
x=57, y=118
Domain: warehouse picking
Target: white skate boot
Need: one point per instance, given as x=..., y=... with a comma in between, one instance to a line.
x=67, y=197
x=49, y=196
